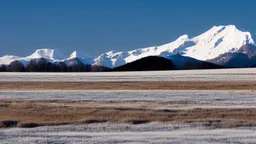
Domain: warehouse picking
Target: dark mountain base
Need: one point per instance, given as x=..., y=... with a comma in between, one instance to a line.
x=151, y=63
x=245, y=57
x=187, y=63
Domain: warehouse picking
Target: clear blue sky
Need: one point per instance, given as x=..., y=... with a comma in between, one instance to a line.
x=97, y=26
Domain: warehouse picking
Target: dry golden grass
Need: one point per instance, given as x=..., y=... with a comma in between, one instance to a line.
x=32, y=113
x=141, y=85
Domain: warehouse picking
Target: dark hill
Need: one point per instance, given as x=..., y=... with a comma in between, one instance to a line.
x=151, y=63
x=186, y=63
x=202, y=65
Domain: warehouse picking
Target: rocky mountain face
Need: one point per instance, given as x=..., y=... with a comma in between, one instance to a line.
x=244, y=57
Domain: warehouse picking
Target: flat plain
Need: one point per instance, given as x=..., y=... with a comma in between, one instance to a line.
x=247, y=74
x=208, y=106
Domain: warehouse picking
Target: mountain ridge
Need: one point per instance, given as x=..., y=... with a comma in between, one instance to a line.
x=212, y=44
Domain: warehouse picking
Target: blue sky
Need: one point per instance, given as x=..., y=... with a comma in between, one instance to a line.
x=97, y=26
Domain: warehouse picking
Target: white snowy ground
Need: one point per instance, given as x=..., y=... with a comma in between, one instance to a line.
x=129, y=134
x=248, y=74
x=143, y=133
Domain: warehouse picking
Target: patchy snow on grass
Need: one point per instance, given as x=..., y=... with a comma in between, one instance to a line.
x=199, y=99
x=127, y=133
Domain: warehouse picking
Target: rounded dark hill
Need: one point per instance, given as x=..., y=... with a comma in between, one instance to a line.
x=151, y=63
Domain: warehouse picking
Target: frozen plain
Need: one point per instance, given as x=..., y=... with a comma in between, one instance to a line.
x=248, y=74
x=144, y=133
x=200, y=99
x=128, y=134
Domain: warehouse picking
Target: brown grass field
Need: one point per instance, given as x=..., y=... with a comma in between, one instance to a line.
x=140, y=85
x=33, y=113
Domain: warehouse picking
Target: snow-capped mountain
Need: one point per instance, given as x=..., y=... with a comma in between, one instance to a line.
x=81, y=56
x=211, y=45
x=52, y=55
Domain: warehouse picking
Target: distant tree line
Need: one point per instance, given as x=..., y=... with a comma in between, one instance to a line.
x=42, y=65
x=144, y=64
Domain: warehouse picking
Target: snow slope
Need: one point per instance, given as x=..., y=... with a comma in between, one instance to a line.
x=209, y=45
x=51, y=55
x=214, y=42
x=83, y=57
x=8, y=59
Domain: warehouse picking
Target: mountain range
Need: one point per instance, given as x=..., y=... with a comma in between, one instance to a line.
x=221, y=45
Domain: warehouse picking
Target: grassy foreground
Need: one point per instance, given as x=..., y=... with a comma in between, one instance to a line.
x=33, y=113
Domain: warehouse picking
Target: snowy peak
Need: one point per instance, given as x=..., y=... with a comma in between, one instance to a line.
x=218, y=40
x=83, y=57
x=74, y=54
x=79, y=54
x=231, y=32
x=214, y=43
x=51, y=54
x=8, y=59
x=183, y=38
